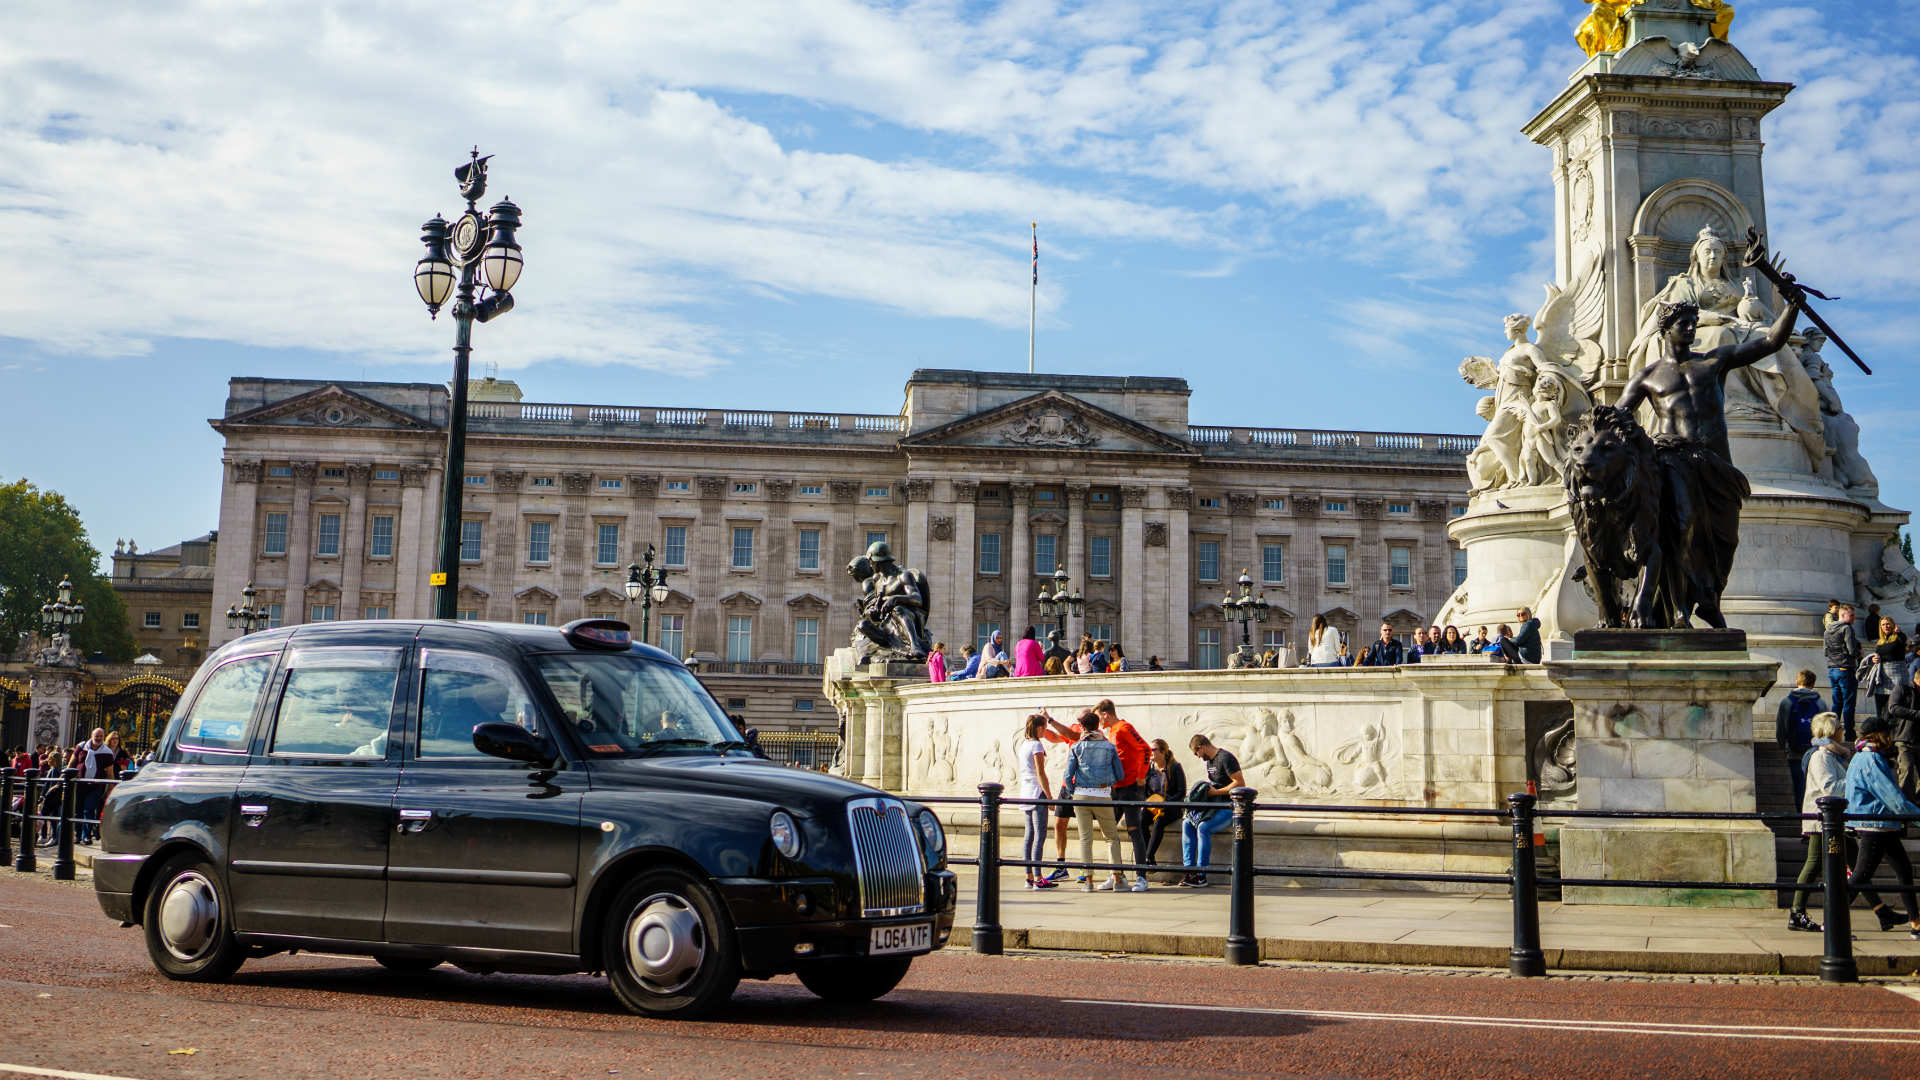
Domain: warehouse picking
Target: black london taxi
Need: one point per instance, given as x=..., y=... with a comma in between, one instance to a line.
x=506, y=797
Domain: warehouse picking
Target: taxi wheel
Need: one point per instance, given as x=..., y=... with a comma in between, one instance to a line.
x=669, y=950
x=407, y=965
x=854, y=980
x=189, y=923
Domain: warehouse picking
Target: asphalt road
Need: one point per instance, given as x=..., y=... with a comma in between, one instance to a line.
x=79, y=998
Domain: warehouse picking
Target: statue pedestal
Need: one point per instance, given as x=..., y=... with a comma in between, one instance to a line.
x=1663, y=721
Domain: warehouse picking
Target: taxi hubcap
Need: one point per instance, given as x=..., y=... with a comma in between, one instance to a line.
x=189, y=914
x=666, y=942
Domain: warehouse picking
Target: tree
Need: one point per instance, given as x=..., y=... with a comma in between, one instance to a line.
x=41, y=541
x=1906, y=545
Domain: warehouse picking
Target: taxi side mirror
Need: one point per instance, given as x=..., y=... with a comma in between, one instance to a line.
x=500, y=739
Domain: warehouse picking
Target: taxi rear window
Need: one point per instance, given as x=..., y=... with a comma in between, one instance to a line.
x=622, y=704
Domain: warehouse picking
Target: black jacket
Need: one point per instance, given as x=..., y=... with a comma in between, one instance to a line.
x=1384, y=654
x=1527, y=640
x=1903, y=708
x=1841, y=646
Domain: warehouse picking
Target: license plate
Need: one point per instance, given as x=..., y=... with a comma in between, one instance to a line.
x=914, y=937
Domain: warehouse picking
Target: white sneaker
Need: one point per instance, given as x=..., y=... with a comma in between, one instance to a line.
x=1139, y=886
x=1087, y=886
x=1105, y=886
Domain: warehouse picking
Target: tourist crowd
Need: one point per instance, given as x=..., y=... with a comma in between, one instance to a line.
x=100, y=758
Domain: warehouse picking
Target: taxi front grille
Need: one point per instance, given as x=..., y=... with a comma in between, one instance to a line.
x=887, y=856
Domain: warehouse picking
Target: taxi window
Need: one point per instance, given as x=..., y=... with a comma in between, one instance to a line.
x=336, y=703
x=622, y=704
x=222, y=713
x=460, y=691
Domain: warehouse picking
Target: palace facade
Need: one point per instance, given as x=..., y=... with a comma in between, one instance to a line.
x=987, y=481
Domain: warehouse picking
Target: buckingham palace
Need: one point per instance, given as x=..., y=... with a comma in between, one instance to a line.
x=987, y=481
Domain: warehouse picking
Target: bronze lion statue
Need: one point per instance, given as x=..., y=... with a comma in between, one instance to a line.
x=1651, y=515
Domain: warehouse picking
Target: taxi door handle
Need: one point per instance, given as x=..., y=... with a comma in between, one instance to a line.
x=415, y=821
x=253, y=815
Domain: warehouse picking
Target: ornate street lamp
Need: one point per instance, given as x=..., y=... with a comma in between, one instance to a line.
x=246, y=615
x=1245, y=609
x=59, y=616
x=1059, y=603
x=647, y=585
x=459, y=255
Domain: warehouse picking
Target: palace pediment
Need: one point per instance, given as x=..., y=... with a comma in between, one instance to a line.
x=330, y=406
x=1051, y=421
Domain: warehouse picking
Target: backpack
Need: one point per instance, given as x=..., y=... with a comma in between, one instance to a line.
x=1802, y=708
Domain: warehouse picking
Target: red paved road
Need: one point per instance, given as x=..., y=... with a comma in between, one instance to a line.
x=77, y=994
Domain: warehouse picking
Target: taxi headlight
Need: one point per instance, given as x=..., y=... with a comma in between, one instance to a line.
x=785, y=834
x=933, y=839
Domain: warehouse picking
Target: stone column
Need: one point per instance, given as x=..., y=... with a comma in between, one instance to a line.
x=234, y=561
x=51, y=692
x=1307, y=575
x=1020, y=569
x=966, y=495
x=643, y=519
x=1077, y=535
x=1179, y=575
x=1131, y=577
x=353, y=541
x=418, y=551
x=1370, y=589
x=503, y=569
x=845, y=544
x=574, y=558
x=914, y=552
x=299, y=541
x=1663, y=720
x=777, y=569
x=1435, y=582
x=709, y=556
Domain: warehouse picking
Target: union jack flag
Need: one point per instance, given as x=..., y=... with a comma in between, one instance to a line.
x=1036, y=255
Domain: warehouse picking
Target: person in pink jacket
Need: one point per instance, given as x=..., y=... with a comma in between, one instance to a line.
x=937, y=662
x=1029, y=658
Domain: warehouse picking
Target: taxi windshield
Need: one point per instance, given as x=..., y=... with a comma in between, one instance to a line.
x=622, y=704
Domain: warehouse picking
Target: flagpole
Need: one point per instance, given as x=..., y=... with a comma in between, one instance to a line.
x=1033, y=290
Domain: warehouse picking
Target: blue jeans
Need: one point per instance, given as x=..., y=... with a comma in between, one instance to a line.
x=1196, y=838
x=1845, y=689
x=1797, y=769
x=1033, y=842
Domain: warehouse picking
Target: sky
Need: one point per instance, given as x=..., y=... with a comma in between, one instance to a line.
x=1309, y=209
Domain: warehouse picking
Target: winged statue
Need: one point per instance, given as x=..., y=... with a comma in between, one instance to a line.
x=1538, y=387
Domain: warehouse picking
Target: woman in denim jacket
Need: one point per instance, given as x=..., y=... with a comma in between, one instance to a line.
x=1093, y=768
x=1871, y=791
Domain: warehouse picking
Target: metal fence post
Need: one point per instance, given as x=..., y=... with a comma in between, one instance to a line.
x=6, y=812
x=988, y=938
x=63, y=851
x=25, y=861
x=1836, y=961
x=1525, y=959
x=1242, y=946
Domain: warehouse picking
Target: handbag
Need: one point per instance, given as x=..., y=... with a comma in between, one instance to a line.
x=1870, y=678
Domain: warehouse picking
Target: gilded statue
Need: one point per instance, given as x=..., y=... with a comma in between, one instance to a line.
x=1722, y=16
x=1605, y=27
x=1777, y=387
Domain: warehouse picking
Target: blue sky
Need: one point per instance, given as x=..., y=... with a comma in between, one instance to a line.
x=1310, y=210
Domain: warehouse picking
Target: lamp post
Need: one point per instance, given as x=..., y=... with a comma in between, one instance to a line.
x=246, y=615
x=59, y=616
x=1245, y=609
x=648, y=585
x=479, y=248
x=1059, y=603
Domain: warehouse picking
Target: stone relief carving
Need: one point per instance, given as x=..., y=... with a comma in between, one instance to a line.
x=917, y=490
x=1020, y=493
x=508, y=480
x=246, y=472
x=1156, y=534
x=413, y=476
x=1052, y=427
x=1746, y=127
x=46, y=725
x=576, y=483
x=1368, y=508
x=1683, y=127
x=966, y=491
x=643, y=485
x=1580, y=200
x=1433, y=509
x=1843, y=464
x=1893, y=584
x=1133, y=498
x=303, y=471
x=1305, y=504
x=1554, y=760
x=778, y=488
x=712, y=487
x=1240, y=502
x=359, y=472
x=844, y=491
x=1539, y=387
x=332, y=416
x=1623, y=122
x=1180, y=498
x=941, y=527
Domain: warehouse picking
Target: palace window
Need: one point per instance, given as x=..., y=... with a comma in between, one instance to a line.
x=279, y=470
x=990, y=553
x=809, y=489
x=380, y=537
x=1459, y=568
x=543, y=481
x=611, y=483
x=676, y=545
x=1043, y=495
x=673, y=634
x=804, y=704
x=1206, y=557
x=333, y=473
x=1399, y=508
x=276, y=616
x=746, y=488
x=276, y=537
x=1206, y=647
x=876, y=538
x=809, y=548
x=877, y=492
x=534, y=618
x=1273, y=563
x=539, y=541
x=739, y=637
x=1100, y=556
x=1336, y=564
x=190, y=620
x=386, y=474
x=467, y=614
x=476, y=480
x=606, y=548
x=321, y=613
x=806, y=641
x=1273, y=639
x=152, y=621
x=1044, y=552
x=743, y=549
x=1103, y=496
x=1101, y=631
x=378, y=611
x=1276, y=504
x=1456, y=511
x=981, y=632
x=1336, y=506
x=470, y=541
x=327, y=544
x=1400, y=567
x=1210, y=502
x=679, y=485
